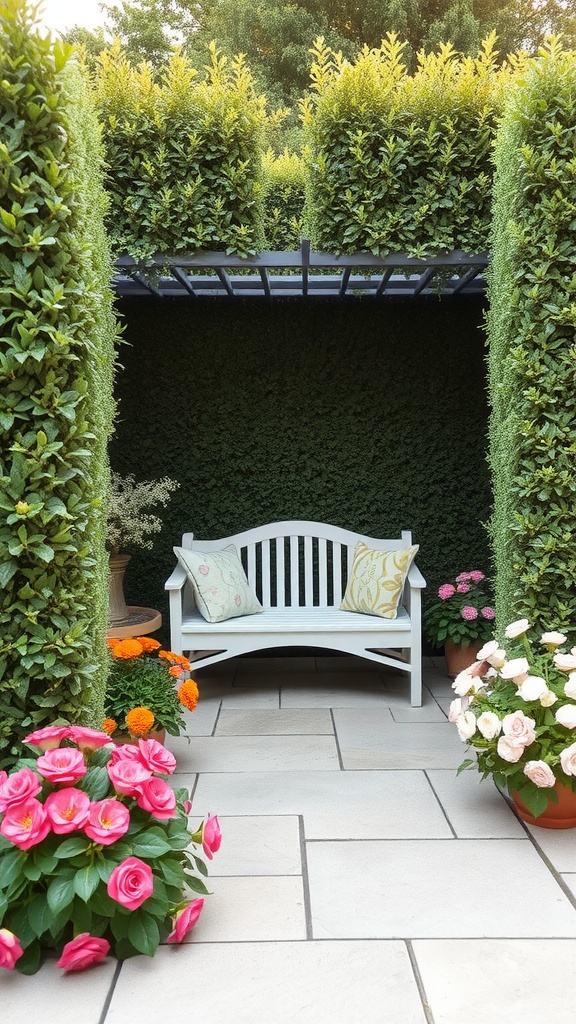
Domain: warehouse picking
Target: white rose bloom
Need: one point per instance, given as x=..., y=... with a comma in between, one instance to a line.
x=455, y=710
x=489, y=648
x=463, y=683
x=566, y=716
x=498, y=659
x=489, y=725
x=518, y=668
x=568, y=760
x=570, y=686
x=553, y=638
x=516, y=628
x=548, y=699
x=565, y=662
x=532, y=688
x=509, y=750
x=466, y=725
x=540, y=774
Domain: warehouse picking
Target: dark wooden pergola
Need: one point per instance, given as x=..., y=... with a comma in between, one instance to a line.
x=302, y=274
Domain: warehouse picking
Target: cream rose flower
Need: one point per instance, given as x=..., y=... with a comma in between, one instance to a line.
x=553, y=639
x=455, y=709
x=509, y=750
x=540, y=774
x=466, y=725
x=463, y=683
x=489, y=725
x=568, y=760
x=565, y=662
x=566, y=716
x=517, y=669
x=548, y=699
x=570, y=686
x=489, y=648
x=532, y=688
x=498, y=659
x=516, y=628
x=519, y=728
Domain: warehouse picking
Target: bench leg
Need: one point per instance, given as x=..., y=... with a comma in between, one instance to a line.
x=416, y=682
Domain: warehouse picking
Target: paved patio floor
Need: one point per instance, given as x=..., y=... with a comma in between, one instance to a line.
x=359, y=879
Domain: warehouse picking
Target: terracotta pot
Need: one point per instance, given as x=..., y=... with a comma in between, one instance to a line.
x=560, y=815
x=460, y=656
x=124, y=737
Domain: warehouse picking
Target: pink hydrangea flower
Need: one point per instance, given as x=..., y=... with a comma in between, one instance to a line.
x=463, y=577
x=476, y=576
x=83, y=951
x=487, y=612
x=63, y=765
x=211, y=836
x=131, y=883
x=463, y=588
x=185, y=920
x=107, y=821
x=25, y=824
x=446, y=591
x=10, y=949
x=469, y=612
x=67, y=809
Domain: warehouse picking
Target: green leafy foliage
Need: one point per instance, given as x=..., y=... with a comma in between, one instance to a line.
x=531, y=329
x=398, y=162
x=461, y=612
x=283, y=185
x=184, y=156
x=56, y=365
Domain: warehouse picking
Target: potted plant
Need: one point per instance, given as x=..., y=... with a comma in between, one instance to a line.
x=460, y=619
x=516, y=706
x=129, y=526
x=96, y=854
x=141, y=695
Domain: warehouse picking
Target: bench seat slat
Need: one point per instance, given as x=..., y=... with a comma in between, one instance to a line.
x=297, y=620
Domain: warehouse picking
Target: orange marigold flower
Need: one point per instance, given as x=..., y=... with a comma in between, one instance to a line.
x=127, y=649
x=139, y=721
x=109, y=726
x=188, y=694
x=176, y=671
x=167, y=655
x=148, y=643
x=112, y=642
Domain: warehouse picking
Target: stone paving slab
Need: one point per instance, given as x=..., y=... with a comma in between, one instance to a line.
x=372, y=739
x=363, y=690
x=270, y=983
x=254, y=753
x=475, y=809
x=53, y=997
x=501, y=981
x=334, y=805
x=257, y=845
x=558, y=845
x=435, y=889
x=251, y=909
x=275, y=723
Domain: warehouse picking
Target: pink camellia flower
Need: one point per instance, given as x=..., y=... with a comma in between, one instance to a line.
x=83, y=951
x=476, y=576
x=540, y=774
x=508, y=750
x=469, y=612
x=565, y=662
x=158, y=798
x=516, y=628
x=446, y=591
x=126, y=752
x=187, y=806
x=185, y=920
x=64, y=765
x=48, y=738
x=131, y=883
x=107, y=821
x=19, y=787
x=517, y=669
x=89, y=739
x=67, y=809
x=463, y=588
x=127, y=776
x=211, y=836
x=487, y=612
x=156, y=757
x=10, y=949
x=568, y=760
x=25, y=824
x=519, y=728
x=463, y=577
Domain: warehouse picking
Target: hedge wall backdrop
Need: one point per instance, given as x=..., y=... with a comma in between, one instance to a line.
x=369, y=416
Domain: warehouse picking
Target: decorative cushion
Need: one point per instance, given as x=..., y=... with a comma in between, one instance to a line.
x=376, y=580
x=220, y=586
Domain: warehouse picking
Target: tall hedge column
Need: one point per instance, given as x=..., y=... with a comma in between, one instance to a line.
x=56, y=369
x=532, y=361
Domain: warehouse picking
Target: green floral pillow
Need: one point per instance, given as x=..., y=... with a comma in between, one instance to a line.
x=376, y=580
x=220, y=586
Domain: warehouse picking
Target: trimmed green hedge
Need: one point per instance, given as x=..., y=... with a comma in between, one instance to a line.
x=370, y=416
x=398, y=162
x=283, y=184
x=532, y=337
x=184, y=157
x=56, y=364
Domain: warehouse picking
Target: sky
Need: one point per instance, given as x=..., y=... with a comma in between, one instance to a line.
x=61, y=14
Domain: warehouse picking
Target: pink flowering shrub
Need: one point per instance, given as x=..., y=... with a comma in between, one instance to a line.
x=516, y=707
x=96, y=851
x=462, y=612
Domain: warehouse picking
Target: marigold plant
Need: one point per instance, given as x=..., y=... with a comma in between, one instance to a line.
x=141, y=693
x=139, y=721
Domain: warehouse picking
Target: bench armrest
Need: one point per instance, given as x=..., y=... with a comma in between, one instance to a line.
x=177, y=580
x=415, y=578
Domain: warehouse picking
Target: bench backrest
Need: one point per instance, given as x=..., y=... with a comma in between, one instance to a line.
x=297, y=563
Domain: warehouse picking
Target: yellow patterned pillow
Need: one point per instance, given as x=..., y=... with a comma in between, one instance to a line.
x=376, y=580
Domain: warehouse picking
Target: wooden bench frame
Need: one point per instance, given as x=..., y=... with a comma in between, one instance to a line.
x=299, y=570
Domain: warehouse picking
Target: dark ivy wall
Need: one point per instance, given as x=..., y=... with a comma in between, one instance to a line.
x=371, y=416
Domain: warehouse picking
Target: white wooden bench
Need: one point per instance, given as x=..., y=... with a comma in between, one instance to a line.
x=299, y=572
